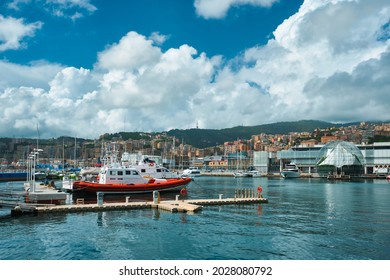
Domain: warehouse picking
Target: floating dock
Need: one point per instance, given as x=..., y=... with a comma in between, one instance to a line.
x=178, y=205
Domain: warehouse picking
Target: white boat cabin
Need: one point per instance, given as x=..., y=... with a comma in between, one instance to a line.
x=121, y=175
x=191, y=172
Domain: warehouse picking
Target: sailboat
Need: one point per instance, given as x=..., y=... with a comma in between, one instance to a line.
x=239, y=172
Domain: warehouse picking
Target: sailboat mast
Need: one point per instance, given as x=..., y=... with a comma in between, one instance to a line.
x=75, y=160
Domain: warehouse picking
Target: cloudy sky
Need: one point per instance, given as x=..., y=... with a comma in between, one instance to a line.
x=86, y=67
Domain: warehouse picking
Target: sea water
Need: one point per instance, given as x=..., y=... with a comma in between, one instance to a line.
x=305, y=219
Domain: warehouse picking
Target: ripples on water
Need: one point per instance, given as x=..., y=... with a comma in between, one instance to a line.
x=304, y=219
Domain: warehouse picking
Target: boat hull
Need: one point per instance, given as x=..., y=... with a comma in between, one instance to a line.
x=13, y=176
x=290, y=174
x=153, y=185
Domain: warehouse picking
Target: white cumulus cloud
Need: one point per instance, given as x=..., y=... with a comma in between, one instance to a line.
x=219, y=8
x=329, y=61
x=133, y=52
x=13, y=31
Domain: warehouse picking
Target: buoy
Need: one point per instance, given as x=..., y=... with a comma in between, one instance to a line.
x=183, y=191
x=259, y=189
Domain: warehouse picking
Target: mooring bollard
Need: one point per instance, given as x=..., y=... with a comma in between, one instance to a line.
x=220, y=196
x=99, y=198
x=127, y=199
x=177, y=197
x=156, y=197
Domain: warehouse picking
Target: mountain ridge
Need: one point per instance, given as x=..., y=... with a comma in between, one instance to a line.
x=202, y=138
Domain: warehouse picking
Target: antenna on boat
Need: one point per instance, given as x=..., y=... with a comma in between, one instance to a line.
x=38, y=136
x=75, y=147
x=37, y=141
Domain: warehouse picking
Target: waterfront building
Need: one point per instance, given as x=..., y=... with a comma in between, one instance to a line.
x=376, y=157
x=339, y=158
x=261, y=161
x=329, y=138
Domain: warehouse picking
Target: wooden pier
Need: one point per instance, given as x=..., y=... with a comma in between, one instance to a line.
x=178, y=205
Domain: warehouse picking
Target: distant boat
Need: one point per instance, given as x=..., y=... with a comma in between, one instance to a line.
x=290, y=171
x=150, y=169
x=12, y=175
x=241, y=174
x=191, y=172
x=253, y=173
x=40, y=175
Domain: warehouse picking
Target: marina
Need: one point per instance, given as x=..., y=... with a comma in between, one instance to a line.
x=305, y=218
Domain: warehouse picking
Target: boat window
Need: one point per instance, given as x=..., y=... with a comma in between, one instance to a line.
x=143, y=170
x=135, y=172
x=120, y=172
x=112, y=172
x=128, y=172
x=158, y=170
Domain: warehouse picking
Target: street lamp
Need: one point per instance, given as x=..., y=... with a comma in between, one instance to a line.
x=34, y=155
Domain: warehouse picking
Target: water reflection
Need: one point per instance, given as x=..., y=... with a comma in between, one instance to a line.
x=304, y=219
x=101, y=219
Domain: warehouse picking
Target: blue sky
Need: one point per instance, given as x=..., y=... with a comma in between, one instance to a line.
x=77, y=42
x=86, y=67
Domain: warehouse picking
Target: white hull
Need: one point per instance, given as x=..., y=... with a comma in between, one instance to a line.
x=191, y=175
x=290, y=174
x=191, y=172
x=241, y=174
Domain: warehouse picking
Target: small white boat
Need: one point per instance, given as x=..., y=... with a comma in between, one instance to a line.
x=254, y=173
x=238, y=174
x=191, y=172
x=290, y=171
x=40, y=175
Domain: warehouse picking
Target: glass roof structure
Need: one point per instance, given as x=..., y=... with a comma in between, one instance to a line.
x=339, y=157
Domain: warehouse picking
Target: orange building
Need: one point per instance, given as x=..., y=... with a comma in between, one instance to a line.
x=327, y=138
x=309, y=143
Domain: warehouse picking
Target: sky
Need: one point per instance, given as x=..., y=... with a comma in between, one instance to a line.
x=83, y=68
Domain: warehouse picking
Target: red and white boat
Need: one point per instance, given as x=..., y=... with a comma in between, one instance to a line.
x=122, y=179
x=118, y=178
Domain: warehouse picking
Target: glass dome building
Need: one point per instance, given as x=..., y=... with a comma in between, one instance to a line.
x=340, y=158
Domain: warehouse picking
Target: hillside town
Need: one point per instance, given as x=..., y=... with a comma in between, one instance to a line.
x=66, y=152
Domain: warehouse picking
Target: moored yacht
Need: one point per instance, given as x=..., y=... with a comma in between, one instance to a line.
x=191, y=172
x=150, y=169
x=290, y=171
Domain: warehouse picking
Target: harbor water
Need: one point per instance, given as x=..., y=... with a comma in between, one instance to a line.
x=305, y=219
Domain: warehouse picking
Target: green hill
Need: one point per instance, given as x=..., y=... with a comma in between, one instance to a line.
x=202, y=138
